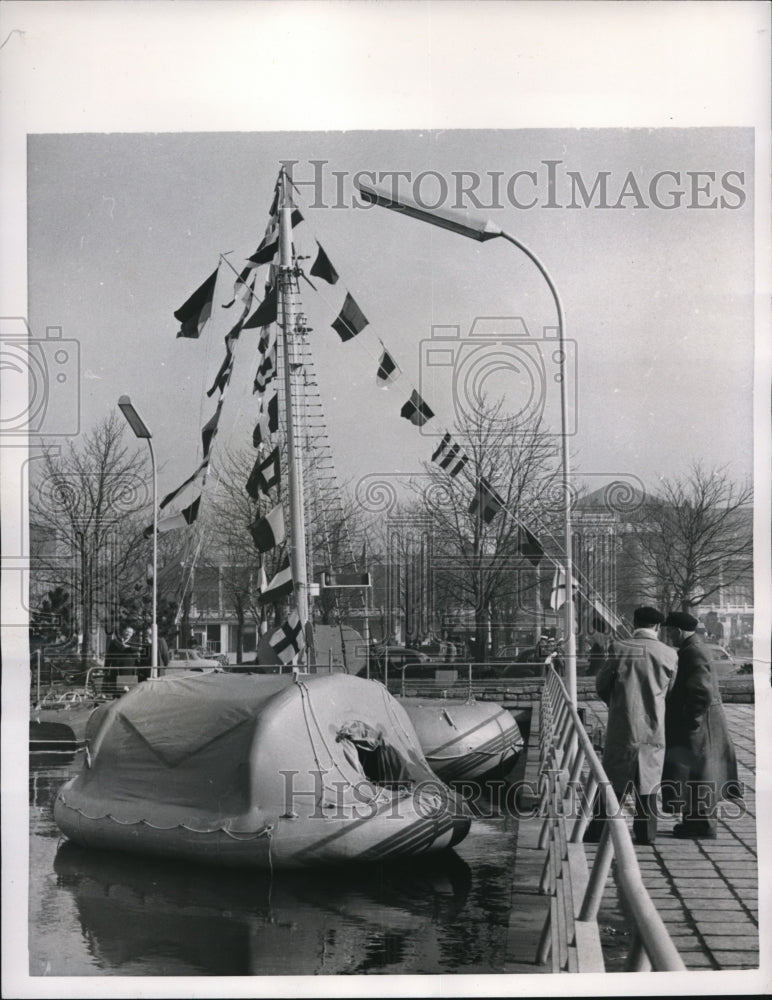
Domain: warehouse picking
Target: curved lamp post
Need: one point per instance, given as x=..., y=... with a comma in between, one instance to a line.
x=480, y=229
x=141, y=431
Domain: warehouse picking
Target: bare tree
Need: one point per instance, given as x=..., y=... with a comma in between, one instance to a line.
x=486, y=564
x=694, y=537
x=93, y=498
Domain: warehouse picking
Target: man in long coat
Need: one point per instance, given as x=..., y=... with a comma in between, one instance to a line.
x=700, y=763
x=634, y=681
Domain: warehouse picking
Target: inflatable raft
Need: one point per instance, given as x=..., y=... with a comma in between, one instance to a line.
x=258, y=771
x=464, y=740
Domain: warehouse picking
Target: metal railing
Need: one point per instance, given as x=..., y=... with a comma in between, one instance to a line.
x=571, y=777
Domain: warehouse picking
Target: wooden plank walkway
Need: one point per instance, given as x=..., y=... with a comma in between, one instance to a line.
x=705, y=890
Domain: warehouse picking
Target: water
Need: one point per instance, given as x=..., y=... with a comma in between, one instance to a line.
x=97, y=913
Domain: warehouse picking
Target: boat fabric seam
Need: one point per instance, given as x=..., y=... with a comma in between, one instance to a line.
x=265, y=831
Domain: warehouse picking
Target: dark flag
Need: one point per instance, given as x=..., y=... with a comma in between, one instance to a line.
x=209, y=430
x=170, y=496
x=416, y=410
x=281, y=584
x=268, y=532
x=223, y=376
x=266, y=312
x=265, y=474
x=387, y=370
x=449, y=456
x=486, y=501
x=351, y=320
x=194, y=313
x=288, y=640
x=529, y=546
x=322, y=267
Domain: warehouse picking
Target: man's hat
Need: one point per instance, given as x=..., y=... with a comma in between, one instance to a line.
x=648, y=616
x=682, y=620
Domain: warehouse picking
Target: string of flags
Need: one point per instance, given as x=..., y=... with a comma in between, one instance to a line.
x=268, y=530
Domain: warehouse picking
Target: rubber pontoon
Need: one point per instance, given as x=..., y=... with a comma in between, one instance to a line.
x=258, y=771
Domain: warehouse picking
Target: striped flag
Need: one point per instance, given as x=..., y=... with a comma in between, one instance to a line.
x=269, y=244
x=196, y=310
x=268, y=420
x=267, y=368
x=449, y=456
x=288, y=640
x=268, y=532
x=174, y=521
x=281, y=584
x=199, y=473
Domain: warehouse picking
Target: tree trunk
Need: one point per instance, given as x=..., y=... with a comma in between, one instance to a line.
x=480, y=635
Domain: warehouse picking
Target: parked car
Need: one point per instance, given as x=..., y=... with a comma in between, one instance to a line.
x=189, y=659
x=723, y=662
x=399, y=658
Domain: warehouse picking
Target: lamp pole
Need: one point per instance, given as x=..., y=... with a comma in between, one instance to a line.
x=141, y=431
x=482, y=230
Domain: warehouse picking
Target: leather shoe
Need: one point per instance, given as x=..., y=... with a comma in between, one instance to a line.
x=686, y=830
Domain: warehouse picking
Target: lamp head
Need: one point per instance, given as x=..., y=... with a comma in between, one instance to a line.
x=133, y=418
x=463, y=223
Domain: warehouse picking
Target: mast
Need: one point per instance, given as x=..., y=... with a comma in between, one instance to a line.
x=292, y=368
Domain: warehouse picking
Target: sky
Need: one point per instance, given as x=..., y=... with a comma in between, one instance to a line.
x=657, y=296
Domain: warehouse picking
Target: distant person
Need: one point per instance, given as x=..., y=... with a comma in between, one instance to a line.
x=119, y=656
x=145, y=658
x=634, y=681
x=700, y=762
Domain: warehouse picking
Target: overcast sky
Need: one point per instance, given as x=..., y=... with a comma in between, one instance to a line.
x=655, y=277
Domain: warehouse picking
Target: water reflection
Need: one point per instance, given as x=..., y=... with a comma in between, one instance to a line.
x=168, y=917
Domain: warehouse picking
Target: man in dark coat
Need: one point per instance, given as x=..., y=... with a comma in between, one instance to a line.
x=120, y=655
x=634, y=681
x=700, y=763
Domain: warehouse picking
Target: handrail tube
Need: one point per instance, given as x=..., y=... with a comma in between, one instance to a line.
x=654, y=935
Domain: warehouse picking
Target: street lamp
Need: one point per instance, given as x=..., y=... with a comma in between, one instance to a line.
x=141, y=431
x=482, y=230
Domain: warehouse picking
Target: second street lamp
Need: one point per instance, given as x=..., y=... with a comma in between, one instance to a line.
x=483, y=230
x=141, y=431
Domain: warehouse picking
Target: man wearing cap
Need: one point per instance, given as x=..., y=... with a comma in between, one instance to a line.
x=700, y=763
x=634, y=681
